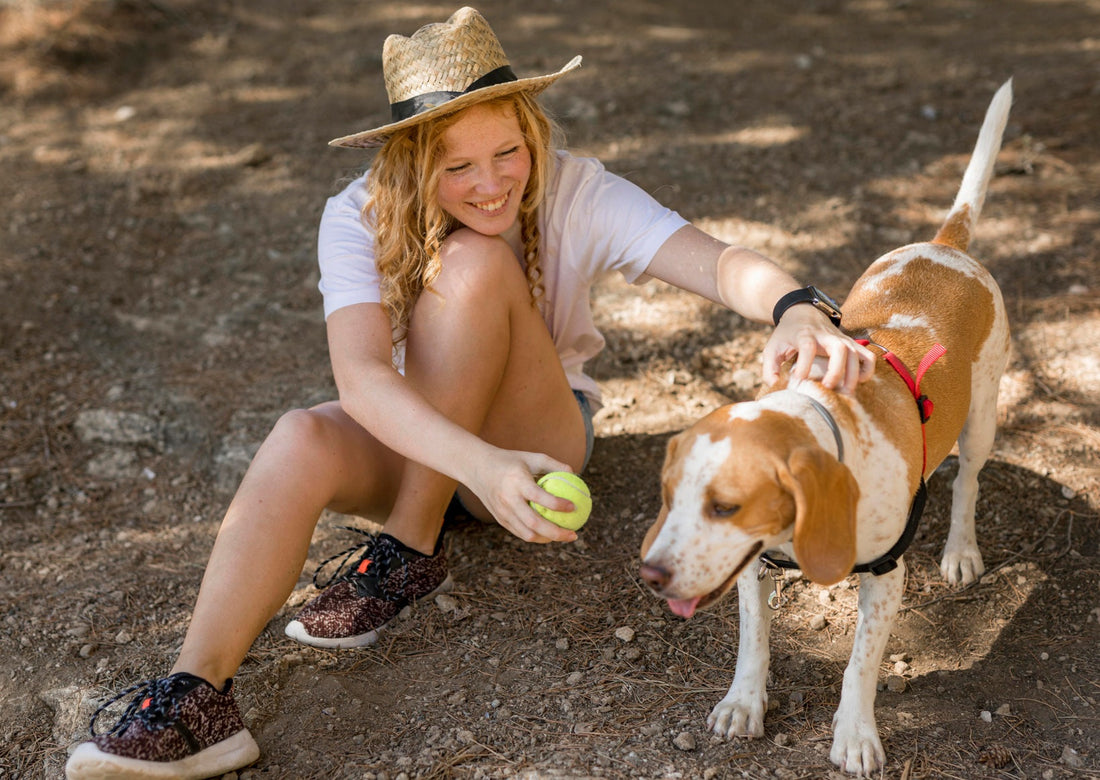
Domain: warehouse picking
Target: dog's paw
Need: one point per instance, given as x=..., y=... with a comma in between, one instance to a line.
x=962, y=564
x=739, y=715
x=856, y=748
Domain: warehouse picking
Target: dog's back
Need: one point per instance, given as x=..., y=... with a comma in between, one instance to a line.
x=892, y=301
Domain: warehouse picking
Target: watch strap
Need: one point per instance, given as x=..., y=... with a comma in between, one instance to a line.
x=808, y=295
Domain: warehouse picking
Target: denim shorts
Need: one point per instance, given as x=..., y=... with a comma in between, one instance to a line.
x=589, y=433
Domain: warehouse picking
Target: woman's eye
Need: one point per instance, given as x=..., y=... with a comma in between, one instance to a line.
x=456, y=169
x=507, y=152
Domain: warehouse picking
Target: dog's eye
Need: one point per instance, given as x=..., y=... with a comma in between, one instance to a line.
x=718, y=509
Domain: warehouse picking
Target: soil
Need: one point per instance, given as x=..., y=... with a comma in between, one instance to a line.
x=164, y=165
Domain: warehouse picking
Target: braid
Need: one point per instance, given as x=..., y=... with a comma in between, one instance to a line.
x=529, y=229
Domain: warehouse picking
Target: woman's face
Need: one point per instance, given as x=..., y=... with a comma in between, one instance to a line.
x=484, y=169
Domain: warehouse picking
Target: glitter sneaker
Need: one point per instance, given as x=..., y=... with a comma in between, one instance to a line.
x=355, y=604
x=176, y=727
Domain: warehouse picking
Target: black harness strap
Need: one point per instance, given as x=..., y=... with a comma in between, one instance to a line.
x=886, y=562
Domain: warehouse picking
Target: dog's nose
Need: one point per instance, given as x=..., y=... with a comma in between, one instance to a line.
x=654, y=576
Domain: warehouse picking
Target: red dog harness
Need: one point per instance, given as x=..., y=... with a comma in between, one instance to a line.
x=924, y=403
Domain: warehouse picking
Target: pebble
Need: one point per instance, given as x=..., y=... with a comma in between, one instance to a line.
x=1004, y=709
x=782, y=739
x=684, y=741
x=574, y=678
x=626, y=634
x=817, y=622
x=446, y=603
x=895, y=683
x=1071, y=757
x=987, y=716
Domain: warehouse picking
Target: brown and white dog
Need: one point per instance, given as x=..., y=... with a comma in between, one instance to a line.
x=765, y=475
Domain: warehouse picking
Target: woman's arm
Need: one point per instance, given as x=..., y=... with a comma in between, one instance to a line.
x=751, y=284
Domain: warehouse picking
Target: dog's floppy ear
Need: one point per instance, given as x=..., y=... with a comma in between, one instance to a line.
x=825, y=495
x=670, y=455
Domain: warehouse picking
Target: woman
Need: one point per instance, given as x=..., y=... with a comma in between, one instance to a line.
x=456, y=279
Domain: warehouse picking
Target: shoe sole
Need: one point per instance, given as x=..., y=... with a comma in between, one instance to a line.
x=298, y=632
x=88, y=762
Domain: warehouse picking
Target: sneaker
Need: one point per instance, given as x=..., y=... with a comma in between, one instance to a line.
x=176, y=727
x=355, y=604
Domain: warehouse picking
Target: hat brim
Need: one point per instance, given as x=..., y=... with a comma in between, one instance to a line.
x=376, y=137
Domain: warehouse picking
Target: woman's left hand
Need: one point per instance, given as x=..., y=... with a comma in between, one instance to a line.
x=805, y=334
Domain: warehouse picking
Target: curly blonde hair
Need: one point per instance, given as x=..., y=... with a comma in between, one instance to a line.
x=409, y=226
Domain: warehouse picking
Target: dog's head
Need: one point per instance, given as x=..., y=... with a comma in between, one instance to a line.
x=743, y=480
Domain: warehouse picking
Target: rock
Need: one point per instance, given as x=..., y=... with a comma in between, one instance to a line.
x=626, y=634
x=446, y=603
x=895, y=683
x=1071, y=758
x=684, y=741
x=817, y=622
x=114, y=427
x=115, y=463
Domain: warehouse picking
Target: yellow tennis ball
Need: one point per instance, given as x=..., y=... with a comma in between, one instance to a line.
x=571, y=488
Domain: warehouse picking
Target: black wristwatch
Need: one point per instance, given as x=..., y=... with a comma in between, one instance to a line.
x=812, y=296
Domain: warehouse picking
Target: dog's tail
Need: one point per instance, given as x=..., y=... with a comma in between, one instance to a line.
x=958, y=228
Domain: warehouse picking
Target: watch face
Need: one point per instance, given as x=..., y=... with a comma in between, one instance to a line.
x=824, y=298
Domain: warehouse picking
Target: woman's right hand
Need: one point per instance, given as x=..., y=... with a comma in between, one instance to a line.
x=504, y=482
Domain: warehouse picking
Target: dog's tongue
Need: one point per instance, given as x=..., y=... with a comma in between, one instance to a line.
x=685, y=608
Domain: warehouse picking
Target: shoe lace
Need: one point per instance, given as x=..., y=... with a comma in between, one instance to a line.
x=367, y=565
x=374, y=550
x=152, y=702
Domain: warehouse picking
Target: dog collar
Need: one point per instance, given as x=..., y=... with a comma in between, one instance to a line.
x=831, y=422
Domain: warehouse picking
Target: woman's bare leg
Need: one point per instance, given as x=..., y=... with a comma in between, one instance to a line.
x=310, y=460
x=477, y=350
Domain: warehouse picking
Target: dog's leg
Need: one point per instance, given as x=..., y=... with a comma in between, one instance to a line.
x=741, y=712
x=856, y=746
x=962, y=560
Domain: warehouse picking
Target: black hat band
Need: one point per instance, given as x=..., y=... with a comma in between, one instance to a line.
x=418, y=104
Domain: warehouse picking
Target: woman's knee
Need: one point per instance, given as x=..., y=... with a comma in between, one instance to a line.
x=315, y=437
x=330, y=448
x=474, y=263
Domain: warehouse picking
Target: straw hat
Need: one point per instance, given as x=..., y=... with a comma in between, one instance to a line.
x=442, y=68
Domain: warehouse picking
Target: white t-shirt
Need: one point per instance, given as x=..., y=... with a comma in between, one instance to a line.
x=592, y=222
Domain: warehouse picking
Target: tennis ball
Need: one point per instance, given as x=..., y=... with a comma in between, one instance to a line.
x=571, y=488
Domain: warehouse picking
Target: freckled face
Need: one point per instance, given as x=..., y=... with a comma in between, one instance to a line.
x=484, y=170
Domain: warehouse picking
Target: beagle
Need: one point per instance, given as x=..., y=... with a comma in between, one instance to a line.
x=828, y=482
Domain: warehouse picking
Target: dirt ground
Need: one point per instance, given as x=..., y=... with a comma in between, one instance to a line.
x=164, y=166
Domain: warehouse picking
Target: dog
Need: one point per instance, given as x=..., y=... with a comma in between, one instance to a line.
x=832, y=481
